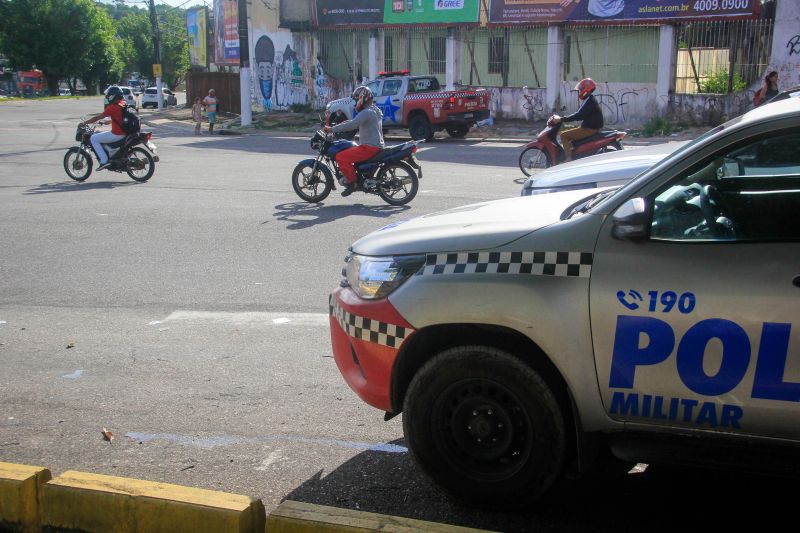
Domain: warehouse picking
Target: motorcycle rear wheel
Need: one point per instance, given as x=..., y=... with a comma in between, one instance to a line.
x=77, y=164
x=306, y=182
x=397, y=183
x=140, y=165
x=532, y=159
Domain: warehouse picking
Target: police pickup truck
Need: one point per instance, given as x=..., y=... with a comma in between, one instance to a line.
x=522, y=337
x=419, y=104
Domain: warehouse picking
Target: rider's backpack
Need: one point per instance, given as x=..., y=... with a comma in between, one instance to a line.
x=130, y=120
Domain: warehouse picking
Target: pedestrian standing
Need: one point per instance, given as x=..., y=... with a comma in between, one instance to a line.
x=768, y=90
x=211, y=103
x=197, y=115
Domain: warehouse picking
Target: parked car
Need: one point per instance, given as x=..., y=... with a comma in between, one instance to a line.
x=657, y=321
x=65, y=92
x=602, y=170
x=150, y=97
x=419, y=104
x=127, y=92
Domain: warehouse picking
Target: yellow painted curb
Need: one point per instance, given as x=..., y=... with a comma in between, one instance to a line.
x=298, y=517
x=20, y=492
x=107, y=504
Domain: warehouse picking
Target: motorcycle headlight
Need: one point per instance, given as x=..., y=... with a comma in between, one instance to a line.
x=377, y=277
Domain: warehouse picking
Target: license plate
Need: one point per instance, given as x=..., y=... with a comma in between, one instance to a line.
x=151, y=147
x=467, y=115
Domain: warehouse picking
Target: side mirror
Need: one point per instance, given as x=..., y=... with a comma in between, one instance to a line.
x=631, y=220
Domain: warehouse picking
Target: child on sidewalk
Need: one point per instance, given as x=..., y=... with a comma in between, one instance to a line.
x=197, y=115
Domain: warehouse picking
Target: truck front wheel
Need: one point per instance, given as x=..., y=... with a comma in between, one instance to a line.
x=420, y=128
x=485, y=426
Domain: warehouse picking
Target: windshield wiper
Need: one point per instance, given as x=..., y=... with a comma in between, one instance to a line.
x=588, y=203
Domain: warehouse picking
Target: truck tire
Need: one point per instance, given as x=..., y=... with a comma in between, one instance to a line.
x=485, y=426
x=457, y=132
x=420, y=128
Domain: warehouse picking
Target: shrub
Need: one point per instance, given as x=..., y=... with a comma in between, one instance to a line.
x=718, y=83
x=656, y=126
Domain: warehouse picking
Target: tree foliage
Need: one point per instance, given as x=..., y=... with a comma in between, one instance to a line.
x=64, y=38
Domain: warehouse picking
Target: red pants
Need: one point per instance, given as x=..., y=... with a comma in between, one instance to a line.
x=347, y=158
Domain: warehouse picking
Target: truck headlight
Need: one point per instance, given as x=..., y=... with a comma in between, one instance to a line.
x=377, y=277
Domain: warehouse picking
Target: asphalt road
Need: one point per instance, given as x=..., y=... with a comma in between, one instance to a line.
x=188, y=316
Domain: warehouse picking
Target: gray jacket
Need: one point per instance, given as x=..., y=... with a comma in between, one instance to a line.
x=369, y=123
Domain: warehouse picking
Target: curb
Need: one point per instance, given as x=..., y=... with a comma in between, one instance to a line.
x=31, y=501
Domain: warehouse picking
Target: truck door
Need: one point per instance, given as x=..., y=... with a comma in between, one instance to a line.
x=698, y=324
x=390, y=101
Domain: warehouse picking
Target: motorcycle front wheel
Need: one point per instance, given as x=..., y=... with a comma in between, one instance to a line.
x=140, y=165
x=397, y=184
x=312, y=184
x=77, y=164
x=532, y=159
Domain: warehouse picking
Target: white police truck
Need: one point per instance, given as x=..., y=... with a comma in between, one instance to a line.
x=660, y=321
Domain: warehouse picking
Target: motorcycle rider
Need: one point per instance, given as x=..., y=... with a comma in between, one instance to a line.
x=589, y=113
x=113, y=110
x=368, y=120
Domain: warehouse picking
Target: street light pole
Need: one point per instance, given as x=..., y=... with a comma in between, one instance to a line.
x=244, y=65
x=157, y=53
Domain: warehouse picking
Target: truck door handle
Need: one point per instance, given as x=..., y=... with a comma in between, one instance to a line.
x=796, y=281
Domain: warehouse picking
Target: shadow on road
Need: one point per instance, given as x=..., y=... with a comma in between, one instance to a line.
x=302, y=215
x=660, y=499
x=71, y=186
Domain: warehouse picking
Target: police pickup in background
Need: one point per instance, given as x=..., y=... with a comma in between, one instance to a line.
x=419, y=104
x=659, y=321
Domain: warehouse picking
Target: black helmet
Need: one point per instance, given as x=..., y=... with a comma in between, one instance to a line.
x=113, y=94
x=362, y=94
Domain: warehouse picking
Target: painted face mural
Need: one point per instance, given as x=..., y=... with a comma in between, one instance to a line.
x=265, y=61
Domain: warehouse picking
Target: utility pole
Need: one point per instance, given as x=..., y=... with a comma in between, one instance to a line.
x=244, y=65
x=157, y=53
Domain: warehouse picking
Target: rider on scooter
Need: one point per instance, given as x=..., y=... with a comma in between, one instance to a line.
x=368, y=121
x=589, y=112
x=116, y=103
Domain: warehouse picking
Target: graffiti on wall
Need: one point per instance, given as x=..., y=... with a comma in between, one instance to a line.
x=708, y=109
x=794, y=45
x=620, y=104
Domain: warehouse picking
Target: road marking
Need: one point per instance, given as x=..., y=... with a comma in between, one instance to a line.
x=75, y=375
x=208, y=443
x=277, y=319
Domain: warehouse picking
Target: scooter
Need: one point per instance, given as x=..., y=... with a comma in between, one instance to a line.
x=546, y=151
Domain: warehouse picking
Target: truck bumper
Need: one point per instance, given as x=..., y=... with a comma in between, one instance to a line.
x=366, y=336
x=470, y=117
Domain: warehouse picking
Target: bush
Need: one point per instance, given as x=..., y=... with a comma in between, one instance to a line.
x=656, y=126
x=718, y=83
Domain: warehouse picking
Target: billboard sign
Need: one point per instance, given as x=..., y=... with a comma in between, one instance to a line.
x=196, y=27
x=226, y=35
x=552, y=11
x=430, y=11
x=348, y=12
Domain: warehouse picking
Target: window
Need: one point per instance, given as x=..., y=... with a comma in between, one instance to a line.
x=498, y=55
x=438, y=55
x=391, y=87
x=388, y=64
x=374, y=86
x=420, y=85
x=747, y=192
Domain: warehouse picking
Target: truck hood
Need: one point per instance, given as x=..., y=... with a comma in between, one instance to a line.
x=341, y=102
x=472, y=227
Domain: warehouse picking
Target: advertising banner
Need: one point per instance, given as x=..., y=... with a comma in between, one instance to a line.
x=349, y=12
x=196, y=26
x=226, y=36
x=552, y=11
x=430, y=11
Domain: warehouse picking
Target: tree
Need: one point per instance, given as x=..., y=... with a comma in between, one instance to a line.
x=134, y=32
x=64, y=38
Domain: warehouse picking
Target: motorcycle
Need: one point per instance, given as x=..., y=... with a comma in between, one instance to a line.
x=125, y=155
x=393, y=173
x=547, y=151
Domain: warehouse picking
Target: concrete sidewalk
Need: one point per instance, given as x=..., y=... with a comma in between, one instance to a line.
x=510, y=132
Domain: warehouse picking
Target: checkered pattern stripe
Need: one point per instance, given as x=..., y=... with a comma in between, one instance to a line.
x=367, y=329
x=560, y=264
x=430, y=96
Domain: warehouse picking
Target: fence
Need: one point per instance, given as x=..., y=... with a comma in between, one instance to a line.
x=225, y=84
x=722, y=56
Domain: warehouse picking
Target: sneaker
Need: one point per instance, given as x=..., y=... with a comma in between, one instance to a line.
x=348, y=190
x=103, y=166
